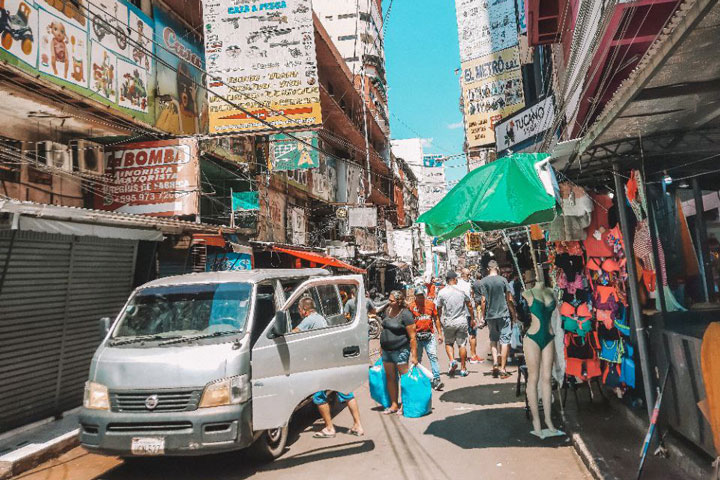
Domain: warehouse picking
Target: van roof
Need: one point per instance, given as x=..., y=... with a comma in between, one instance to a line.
x=252, y=276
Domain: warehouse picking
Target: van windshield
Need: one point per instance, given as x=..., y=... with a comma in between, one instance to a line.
x=175, y=312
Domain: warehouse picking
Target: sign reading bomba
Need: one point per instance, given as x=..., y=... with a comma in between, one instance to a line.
x=153, y=178
x=260, y=56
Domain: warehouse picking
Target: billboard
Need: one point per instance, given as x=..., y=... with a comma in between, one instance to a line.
x=526, y=124
x=492, y=89
x=181, y=106
x=287, y=153
x=160, y=178
x=261, y=56
x=96, y=50
x=485, y=27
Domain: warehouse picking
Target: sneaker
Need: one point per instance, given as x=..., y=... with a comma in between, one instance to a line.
x=475, y=360
x=453, y=368
x=463, y=373
x=437, y=384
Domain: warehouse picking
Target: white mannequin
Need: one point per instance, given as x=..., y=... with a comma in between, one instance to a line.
x=539, y=362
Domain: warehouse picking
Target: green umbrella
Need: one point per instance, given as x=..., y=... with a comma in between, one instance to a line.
x=505, y=193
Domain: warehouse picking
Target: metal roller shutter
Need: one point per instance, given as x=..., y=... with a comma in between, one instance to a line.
x=54, y=291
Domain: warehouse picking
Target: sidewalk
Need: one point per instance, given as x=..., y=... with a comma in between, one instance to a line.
x=608, y=436
x=26, y=447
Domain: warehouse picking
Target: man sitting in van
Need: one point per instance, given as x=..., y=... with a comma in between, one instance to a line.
x=312, y=320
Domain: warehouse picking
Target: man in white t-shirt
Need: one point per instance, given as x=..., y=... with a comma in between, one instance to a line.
x=453, y=306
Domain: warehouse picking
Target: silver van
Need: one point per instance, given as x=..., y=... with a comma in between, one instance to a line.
x=209, y=362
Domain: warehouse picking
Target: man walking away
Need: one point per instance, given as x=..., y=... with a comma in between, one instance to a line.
x=497, y=309
x=426, y=320
x=312, y=320
x=452, y=305
x=465, y=285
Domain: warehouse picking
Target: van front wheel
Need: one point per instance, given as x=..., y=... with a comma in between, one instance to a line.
x=271, y=444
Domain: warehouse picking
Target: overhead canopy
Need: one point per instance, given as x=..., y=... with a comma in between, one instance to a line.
x=503, y=194
x=319, y=258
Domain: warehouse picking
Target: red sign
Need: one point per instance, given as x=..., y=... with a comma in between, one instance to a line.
x=153, y=178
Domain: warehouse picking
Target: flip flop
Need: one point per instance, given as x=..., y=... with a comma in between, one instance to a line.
x=388, y=411
x=323, y=434
x=505, y=375
x=356, y=432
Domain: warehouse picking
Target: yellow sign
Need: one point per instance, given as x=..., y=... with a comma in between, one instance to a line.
x=492, y=89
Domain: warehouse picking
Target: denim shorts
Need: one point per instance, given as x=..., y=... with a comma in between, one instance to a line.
x=320, y=397
x=500, y=330
x=398, y=357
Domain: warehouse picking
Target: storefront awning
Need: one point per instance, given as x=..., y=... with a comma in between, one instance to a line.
x=319, y=258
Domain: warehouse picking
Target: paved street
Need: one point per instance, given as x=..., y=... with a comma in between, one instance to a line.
x=477, y=427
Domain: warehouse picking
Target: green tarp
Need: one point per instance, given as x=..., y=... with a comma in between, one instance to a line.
x=503, y=194
x=245, y=201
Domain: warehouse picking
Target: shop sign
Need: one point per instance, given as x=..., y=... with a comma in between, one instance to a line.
x=365, y=217
x=473, y=242
x=492, y=89
x=271, y=224
x=525, y=124
x=95, y=50
x=152, y=178
x=287, y=153
x=261, y=55
x=365, y=240
x=230, y=261
x=522, y=23
x=298, y=226
x=181, y=106
x=485, y=27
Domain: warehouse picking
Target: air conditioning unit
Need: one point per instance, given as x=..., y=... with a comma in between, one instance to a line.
x=88, y=157
x=55, y=155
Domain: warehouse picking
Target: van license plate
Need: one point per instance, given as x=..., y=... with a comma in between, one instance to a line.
x=148, y=446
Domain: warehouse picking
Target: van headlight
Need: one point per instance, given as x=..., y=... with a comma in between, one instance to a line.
x=96, y=396
x=226, y=391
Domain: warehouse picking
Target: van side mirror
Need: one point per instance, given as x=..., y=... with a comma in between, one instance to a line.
x=104, y=327
x=279, y=325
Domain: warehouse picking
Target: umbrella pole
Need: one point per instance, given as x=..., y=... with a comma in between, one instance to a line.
x=539, y=275
x=512, y=254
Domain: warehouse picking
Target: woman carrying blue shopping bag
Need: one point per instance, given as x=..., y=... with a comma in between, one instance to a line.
x=398, y=344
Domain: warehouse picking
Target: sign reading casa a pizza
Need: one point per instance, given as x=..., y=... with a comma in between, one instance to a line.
x=152, y=178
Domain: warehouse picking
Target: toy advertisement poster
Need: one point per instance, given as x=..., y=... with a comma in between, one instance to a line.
x=109, y=25
x=104, y=79
x=19, y=29
x=181, y=107
x=133, y=85
x=63, y=49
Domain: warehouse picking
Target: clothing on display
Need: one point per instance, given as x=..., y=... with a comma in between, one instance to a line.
x=544, y=315
x=596, y=244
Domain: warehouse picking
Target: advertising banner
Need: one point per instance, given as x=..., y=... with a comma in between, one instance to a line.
x=245, y=201
x=160, y=178
x=181, y=106
x=522, y=23
x=287, y=153
x=233, y=149
x=261, y=56
x=526, y=124
x=92, y=50
x=492, y=89
x=323, y=179
x=271, y=224
x=485, y=27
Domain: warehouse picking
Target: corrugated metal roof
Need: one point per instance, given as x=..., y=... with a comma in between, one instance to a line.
x=113, y=219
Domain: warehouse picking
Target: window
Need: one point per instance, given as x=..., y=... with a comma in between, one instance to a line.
x=318, y=307
x=347, y=37
x=264, y=310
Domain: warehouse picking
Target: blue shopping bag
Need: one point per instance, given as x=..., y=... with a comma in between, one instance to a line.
x=378, y=385
x=416, y=393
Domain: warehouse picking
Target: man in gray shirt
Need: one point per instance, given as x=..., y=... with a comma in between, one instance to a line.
x=497, y=308
x=453, y=306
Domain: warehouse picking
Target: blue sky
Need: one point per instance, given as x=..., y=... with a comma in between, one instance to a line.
x=421, y=56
